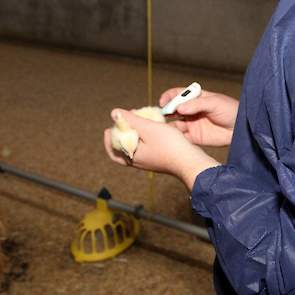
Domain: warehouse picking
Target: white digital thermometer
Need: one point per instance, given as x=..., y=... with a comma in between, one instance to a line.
x=192, y=91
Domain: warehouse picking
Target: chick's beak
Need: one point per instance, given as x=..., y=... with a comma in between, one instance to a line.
x=130, y=155
x=128, y=152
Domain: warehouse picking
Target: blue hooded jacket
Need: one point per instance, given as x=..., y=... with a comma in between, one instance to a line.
x=250, y=202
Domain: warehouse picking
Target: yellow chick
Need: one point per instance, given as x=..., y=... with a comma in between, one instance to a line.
x=123, y=137
x=126, y=139
x=151, y=113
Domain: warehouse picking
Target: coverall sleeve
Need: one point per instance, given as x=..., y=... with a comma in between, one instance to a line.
x=252, y=218
x=243, y=224
x=250, y=202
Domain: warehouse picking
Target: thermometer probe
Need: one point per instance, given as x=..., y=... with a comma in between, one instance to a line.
x=192, y=91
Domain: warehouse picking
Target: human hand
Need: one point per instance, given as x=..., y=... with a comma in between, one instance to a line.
x=207, y=120
x=162, y=148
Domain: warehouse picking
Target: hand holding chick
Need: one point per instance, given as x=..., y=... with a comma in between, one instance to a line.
x=160, y=147
x=126, y=139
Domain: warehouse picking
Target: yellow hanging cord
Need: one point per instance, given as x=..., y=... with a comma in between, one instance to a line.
x=150, y=175
x=149, y=53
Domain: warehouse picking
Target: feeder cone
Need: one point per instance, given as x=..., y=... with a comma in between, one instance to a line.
x=103, y=234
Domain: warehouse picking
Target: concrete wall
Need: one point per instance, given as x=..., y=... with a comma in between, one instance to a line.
x=210, y=33
x=220, y=34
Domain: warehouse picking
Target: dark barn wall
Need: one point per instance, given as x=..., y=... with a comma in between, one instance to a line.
x=218, y=34
x=221, y=34
x=111, y=25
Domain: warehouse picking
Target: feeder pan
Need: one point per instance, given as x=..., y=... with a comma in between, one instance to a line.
x=110, y=228
x=104, y=233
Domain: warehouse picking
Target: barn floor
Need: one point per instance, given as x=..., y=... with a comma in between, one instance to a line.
x=54, y=107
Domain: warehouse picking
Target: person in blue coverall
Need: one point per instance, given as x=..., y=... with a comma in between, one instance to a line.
x=249, y=203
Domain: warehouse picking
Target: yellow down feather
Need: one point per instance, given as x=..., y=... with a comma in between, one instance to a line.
x=126, y=139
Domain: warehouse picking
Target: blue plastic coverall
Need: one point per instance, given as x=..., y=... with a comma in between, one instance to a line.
x=250, y=202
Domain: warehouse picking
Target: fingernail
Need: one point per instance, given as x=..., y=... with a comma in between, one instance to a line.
x=115, y=115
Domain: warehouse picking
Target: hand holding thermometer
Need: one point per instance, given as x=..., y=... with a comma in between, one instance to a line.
x=193, y=91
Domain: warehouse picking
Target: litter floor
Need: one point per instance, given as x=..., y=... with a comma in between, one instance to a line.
x=54, y=107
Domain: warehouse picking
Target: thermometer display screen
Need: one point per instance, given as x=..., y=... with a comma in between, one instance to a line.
x=184, y=94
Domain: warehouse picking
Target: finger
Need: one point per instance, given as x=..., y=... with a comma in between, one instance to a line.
x=188, y=136
x=180, y=125
x=169, y=94
x=110, y=151
x=197, y=105
x=141, y=156
x=206, y=93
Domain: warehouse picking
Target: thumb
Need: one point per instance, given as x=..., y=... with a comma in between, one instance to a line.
x=140, y=124
x=197, y=105
x=169, y=94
